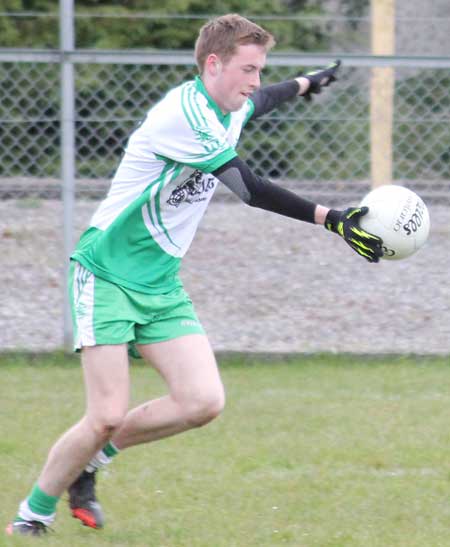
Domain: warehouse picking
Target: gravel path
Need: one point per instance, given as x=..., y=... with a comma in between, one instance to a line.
x=260, y=283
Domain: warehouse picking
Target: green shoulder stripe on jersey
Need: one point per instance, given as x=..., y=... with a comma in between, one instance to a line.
x=193, y=100
x=190, y=114
x=209, y=142
x=195, y=117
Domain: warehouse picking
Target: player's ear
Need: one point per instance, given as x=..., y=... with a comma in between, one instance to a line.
x=213, y=64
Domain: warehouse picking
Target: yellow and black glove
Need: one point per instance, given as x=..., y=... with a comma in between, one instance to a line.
x=346, y=224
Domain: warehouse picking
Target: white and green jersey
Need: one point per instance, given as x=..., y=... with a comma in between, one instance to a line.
x=160, y=191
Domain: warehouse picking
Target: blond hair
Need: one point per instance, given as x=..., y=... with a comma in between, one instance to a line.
x=224, y=34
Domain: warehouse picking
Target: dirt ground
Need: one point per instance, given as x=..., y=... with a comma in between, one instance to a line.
x=260, y=283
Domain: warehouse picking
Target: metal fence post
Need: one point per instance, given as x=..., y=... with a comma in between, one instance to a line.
x=67, y=44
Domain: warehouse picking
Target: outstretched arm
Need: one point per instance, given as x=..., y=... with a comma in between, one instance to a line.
x=259, y=192
x=267, y=98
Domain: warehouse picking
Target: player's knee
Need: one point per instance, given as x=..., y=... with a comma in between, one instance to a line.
x=205, y=407
x=107, y=423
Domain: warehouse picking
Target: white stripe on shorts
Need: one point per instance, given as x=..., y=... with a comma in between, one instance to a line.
x=83, y=293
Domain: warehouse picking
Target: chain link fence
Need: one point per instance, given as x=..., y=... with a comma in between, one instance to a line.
x=321, y=147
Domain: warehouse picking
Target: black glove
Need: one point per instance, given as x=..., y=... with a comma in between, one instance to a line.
x=346, y=224
x=321, y=78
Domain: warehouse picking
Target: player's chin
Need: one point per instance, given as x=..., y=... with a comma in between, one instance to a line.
x=238, y=103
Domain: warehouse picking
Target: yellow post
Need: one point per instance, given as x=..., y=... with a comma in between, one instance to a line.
x=382, y=93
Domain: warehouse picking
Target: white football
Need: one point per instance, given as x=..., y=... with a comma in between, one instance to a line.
x=399, y=216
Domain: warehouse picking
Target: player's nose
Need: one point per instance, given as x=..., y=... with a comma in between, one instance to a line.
x=256, y=80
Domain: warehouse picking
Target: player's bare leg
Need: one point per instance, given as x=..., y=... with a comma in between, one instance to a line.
x=107, y=388
x=107, y=402
x=196, y=394
x=106, y=378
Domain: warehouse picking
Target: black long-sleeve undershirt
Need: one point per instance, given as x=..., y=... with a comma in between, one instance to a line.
x=261, y=193
x=267, y=98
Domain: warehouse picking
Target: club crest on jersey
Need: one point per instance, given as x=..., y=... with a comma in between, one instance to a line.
x=192, y=189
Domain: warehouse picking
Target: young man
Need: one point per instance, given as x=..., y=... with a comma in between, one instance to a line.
x=125, y=284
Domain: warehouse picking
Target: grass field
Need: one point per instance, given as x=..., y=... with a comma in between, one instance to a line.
x=318, y=451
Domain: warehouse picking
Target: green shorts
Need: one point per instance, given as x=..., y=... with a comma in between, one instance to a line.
x=105, y=313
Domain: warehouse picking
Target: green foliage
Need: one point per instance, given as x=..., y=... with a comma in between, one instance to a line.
x=160, y=32
x=29, y=31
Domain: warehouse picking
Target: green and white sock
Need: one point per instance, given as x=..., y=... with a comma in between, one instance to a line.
x=103, y=457
x=38, y=506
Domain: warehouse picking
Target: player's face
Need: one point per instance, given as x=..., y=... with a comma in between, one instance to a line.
x=237, y=79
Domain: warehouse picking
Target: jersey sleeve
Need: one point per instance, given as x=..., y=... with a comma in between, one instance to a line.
x=183, y=129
